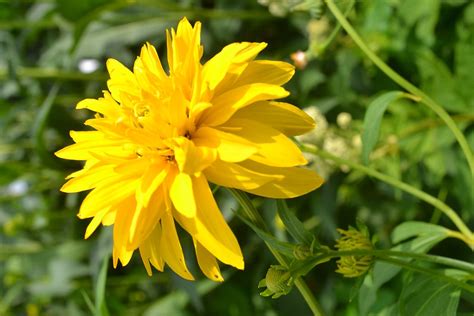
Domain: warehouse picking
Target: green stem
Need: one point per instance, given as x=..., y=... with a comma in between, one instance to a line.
x=458, y=264
x=387, y=256
x=449, y=212
x=435, y=107
x=254, y=216
x=317, y=49
x=40, y=126
x=443, y=193
x=52, y=73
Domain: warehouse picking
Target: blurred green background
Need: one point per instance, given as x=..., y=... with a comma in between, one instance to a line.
x=52, y=55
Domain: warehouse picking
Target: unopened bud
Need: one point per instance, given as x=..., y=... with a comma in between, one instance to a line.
x=278, y=281
x=300, y=59
x=353, y=266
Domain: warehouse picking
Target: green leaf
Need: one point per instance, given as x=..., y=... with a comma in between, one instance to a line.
x=438, y=81
x=422, y=15
x=88, y=301
x=130, y=33
x=411, y=229
x=293, y=225
x=75, y=10
x=425, y=296
x=100, y=305
x=281, y=246
x=175, y=302
x=384, y=272
x=373, y=118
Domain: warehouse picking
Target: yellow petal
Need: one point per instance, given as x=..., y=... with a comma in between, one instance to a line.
x=266, y=71
x=84, y=149
x=184, y=50
x=145, y=218
x=216, y=68
x=132, y=167
x=150, y=251
x=230, y=147
x=106, y=106
x=182, y=195
x=123, y=255
x=207, y=262
x=292, y=182
x=109, y=218
x=191, y=159
x=274, y=148
x=121, y=80
x=170, y=247
x=89, y=178
x=210, y=228
x=110, y=193
x=284, y=117
x=233, y=175
x=95, y=222
x=121, y=231
x=152, y=178
x=226, y=104
x=152, y=63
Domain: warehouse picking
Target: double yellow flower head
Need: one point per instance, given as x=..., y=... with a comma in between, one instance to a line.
x=159, y=138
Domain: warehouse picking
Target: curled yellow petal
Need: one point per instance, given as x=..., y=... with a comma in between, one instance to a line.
x=207, y=262
x=284, y=117
x=170, y=248
x=291, y=182
x=274, y=148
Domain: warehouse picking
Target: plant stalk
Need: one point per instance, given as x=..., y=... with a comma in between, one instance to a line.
x=467, y=235
x=424, y=98
x=252, y=215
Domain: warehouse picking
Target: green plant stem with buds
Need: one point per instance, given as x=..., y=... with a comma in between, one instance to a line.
x=393, y=257
x=458, y=264
x=466, y=235
x=424, y=98
x=254, y=216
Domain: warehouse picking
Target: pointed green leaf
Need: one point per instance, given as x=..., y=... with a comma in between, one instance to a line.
x=410, y=229
x=373, y=118
x=284, y=248
x=293, y=225
x=100, y=306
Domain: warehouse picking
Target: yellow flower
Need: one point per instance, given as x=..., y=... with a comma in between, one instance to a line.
x=160, y=137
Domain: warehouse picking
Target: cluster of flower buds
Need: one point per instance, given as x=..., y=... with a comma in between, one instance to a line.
x=355, y=265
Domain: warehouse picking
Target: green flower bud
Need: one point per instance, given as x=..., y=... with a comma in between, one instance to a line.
x=353, y=239
x=278, y=281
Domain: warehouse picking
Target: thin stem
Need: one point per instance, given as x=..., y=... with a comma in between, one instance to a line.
x=52, y=73
x=443, y=193
x=387, y=256
x=458, y=264
x=468, y=236
x=424, y=98
x=254, y=216
x=316, y=49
